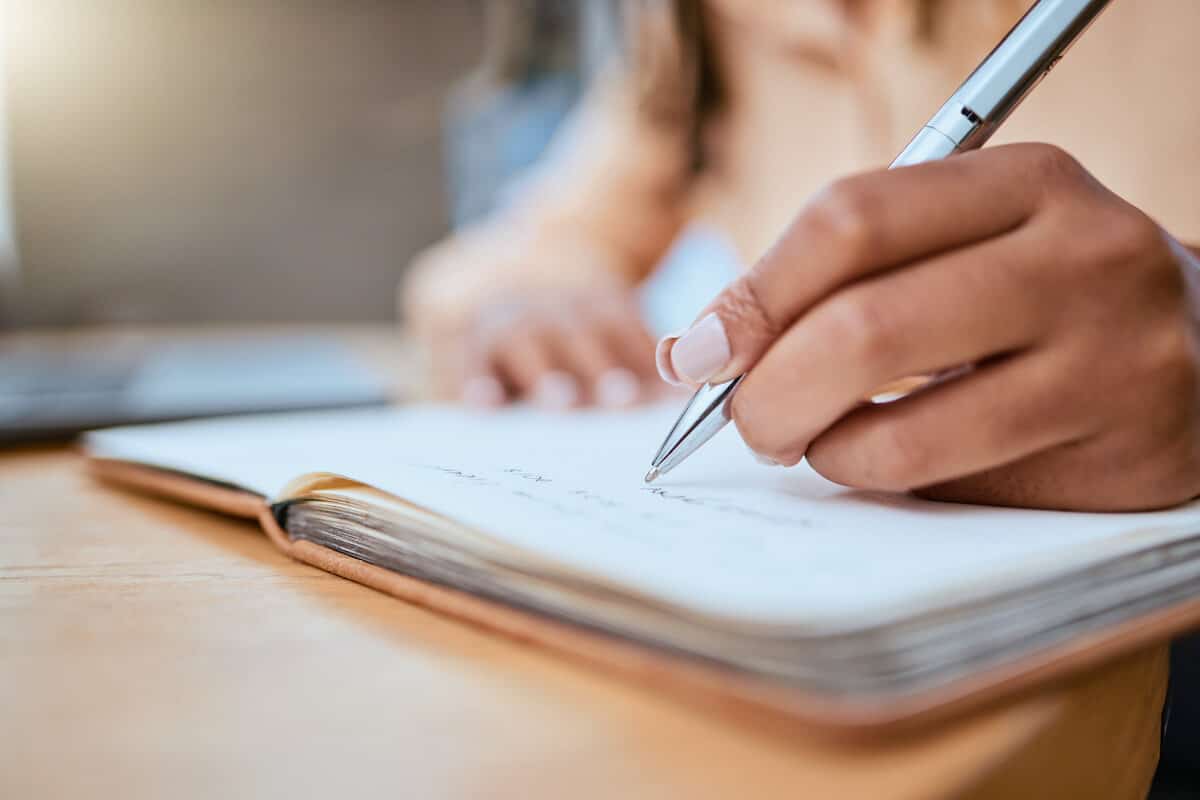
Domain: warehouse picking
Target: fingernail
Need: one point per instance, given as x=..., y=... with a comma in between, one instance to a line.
x=662, y=358
x=482, y=391
x=556, y=391
x=764, y=460
x=701, y=351
x=617, y=388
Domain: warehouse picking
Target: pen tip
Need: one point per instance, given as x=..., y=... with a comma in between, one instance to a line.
x=651, y=475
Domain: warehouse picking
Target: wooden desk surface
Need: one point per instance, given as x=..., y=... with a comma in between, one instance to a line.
x=151, y=650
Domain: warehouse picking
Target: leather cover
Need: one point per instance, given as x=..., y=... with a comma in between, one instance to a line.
x=867, y=717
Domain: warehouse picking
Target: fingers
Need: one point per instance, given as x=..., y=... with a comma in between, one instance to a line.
x=1128, y=480
x=559, y=354
x=999, y=414
x=857, y=227
x=957, y=308
x=529, y=365
x=588, y=352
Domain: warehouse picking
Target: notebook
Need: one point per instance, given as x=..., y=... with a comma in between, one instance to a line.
x=849, y=610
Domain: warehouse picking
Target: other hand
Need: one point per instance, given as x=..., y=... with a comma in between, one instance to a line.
x=559, y=349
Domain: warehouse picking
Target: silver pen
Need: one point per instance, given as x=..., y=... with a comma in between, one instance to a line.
x=964, y=122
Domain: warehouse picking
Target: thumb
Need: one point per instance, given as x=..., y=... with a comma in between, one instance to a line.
x=728, y=338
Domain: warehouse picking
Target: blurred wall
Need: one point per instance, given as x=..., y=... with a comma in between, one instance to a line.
x=228, y=159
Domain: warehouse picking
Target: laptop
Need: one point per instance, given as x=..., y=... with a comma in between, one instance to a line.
x=53, y=385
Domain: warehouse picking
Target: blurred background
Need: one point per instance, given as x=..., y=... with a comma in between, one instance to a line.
x=254, y=160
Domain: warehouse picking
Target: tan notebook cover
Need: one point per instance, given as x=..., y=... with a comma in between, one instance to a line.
x=835, y=717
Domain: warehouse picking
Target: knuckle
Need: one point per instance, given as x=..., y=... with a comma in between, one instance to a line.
x=1128, y=236
x=860, y=326
x=1052, y=166
x=741, y=307
x=843, y=213
x=1127, y=252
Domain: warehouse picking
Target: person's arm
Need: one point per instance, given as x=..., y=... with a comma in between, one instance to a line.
x=591, y=220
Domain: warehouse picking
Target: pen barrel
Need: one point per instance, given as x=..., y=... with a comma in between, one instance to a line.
x=1002, y=80
x=929, y=144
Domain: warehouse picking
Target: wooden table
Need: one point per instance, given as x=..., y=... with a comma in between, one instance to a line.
x=151, y=650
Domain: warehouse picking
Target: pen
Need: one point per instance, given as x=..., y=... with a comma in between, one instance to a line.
x=964, y=122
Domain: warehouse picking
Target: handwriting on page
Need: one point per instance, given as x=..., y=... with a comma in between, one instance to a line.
x=727, y=507
x=706, y=535
x=575, y=501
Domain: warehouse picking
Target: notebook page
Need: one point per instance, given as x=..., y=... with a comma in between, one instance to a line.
x=260, y=453
x=721, y=535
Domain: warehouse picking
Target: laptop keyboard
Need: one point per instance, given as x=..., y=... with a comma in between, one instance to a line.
x=52, y=391
x=50, y=373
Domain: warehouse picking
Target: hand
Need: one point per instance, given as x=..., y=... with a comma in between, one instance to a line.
x=559, y=349
x=1076, y=309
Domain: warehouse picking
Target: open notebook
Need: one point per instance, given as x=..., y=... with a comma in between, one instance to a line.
x=848, y=609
